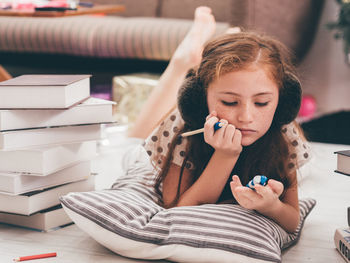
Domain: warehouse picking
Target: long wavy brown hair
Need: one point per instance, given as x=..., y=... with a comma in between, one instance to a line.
x=269, y=154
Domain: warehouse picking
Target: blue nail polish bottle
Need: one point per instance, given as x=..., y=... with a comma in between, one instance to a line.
x=258, y=179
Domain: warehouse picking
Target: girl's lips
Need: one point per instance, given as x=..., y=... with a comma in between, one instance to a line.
x=247, y=131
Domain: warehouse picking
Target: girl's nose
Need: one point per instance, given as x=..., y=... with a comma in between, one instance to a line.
x=245, y=114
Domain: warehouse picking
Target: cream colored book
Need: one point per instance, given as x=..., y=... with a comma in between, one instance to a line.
x=44, y=220
x=343, y=162
x=18, y=183
x=32, y=202
x=342, y=242
x=42, y=161
x=44, y=91
x=22, y=139
x=92, y=110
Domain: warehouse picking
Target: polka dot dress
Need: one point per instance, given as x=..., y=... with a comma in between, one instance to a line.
x=157, y=144
x=299, y=149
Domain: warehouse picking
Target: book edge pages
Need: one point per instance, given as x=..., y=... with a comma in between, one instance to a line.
x=81, y=167
x=44, y=160
x=18, y=139
x=338, y=236
x=78, y=77
x=56, y=97
x=43, y=200
x=42, y=221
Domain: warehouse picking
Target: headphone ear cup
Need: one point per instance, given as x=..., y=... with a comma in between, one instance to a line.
x=289, y=100
x=192, y=102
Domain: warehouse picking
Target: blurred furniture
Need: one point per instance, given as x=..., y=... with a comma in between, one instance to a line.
x=164, y=22
x=143, y=38
x=97, y=9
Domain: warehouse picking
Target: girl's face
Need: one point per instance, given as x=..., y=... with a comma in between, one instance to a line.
x=247, y=99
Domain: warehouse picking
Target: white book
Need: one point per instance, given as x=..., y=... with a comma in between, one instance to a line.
x=46, y=160
x=92, y=110
x=21, y=139
x=44, y=220
x=44, y=91
x=18, y=183
x=29, y=203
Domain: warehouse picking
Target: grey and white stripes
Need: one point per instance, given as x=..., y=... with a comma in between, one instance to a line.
x=130, y=210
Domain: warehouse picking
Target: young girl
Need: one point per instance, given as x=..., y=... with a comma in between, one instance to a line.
x=246, y=82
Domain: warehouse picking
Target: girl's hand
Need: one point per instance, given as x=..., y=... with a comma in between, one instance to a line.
x=226, y=140
x=263, y=199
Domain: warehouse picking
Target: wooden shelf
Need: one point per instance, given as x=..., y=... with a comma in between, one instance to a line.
x=97, y=9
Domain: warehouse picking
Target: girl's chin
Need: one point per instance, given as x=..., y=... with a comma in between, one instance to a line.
x=247, y=141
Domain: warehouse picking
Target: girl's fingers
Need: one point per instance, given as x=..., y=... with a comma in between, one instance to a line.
x=237, y=138
x=223, y=121
x=243, y=196
x=236, y=181
x=262, y=190
x=230, y=132
x=211, y=114
x=209, y=127
x=276, y=186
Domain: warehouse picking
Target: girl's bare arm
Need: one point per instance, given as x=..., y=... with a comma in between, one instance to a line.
x=208, y=187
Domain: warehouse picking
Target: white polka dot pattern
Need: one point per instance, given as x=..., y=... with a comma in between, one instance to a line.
x=156, y=144
x=299, y=149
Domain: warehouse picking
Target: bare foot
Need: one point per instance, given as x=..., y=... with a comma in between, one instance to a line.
x=188, y=53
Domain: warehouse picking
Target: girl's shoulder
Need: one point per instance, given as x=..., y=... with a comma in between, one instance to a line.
x=299, y=148
x=158, y=142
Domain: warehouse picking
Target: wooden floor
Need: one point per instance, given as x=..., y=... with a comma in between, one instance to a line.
x=331, y=190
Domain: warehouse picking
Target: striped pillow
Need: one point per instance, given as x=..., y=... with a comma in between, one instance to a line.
x=127, y=220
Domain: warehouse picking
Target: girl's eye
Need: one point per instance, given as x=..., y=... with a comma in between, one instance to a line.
x=261, y=104
x=227, y=103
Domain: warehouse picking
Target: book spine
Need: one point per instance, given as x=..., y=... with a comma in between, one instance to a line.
x=342, y=242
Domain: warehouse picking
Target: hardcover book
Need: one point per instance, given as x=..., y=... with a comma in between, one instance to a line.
x=92, y=110
x=46, y=160
x=44, y=91
x=343, y=162
x=29, y=203
x=44, y=220
x=21, y=139
x=342, y=242
x=18, y=183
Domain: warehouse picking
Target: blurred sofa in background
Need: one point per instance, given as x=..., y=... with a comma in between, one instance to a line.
x=143, y=38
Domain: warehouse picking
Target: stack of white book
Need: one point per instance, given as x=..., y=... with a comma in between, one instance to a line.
x=49, y=125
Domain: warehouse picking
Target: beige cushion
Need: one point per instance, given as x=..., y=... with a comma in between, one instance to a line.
x=109, y=37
